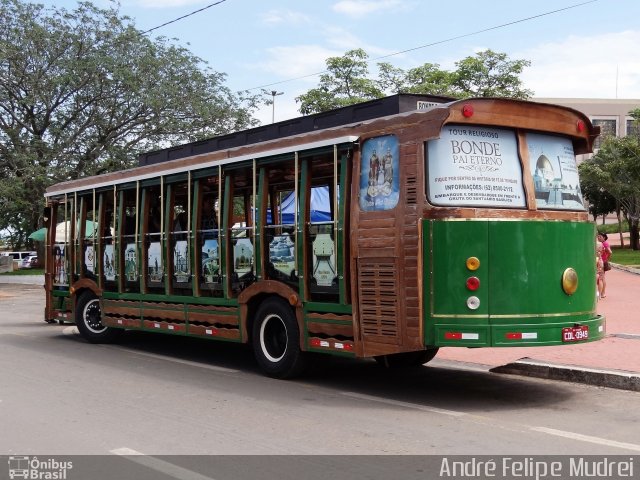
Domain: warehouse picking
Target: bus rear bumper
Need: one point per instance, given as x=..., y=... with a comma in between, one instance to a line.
x=520, y=334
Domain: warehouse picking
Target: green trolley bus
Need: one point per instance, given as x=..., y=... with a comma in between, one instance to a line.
x=443, y=224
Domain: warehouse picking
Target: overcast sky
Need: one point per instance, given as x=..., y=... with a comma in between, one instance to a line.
x=588, y=49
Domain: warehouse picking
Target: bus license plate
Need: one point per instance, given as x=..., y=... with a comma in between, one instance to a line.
x=575, y=334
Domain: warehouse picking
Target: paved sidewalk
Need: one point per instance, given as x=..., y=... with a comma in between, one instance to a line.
x=617, y=354
x=22, y=279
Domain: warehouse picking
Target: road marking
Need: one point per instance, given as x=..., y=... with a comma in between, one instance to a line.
x=545, y=430
x=158, y=465
x=167, y=358
x=398, y=403
x=587, y=438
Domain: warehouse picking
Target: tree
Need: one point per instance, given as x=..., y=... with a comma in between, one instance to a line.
x=600, y=202
x=487, y=74
x=490, y=74
x=616, y=168
x=83, y=92
x=345, y=83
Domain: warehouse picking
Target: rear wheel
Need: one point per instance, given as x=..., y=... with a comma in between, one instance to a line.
x=88, y=320
x=276, y=340
x=407, y=359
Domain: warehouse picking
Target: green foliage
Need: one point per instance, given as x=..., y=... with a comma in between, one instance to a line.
x=487, y=74
x=616, y=169
x=625, y=256
x=600, y=202
x=490, y=74
x=345, y=83
x=610, y=228
x=83, y=92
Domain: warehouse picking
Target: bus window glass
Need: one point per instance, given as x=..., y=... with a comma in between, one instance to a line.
x=61, y=244
x=242, y=230
x=180, y=221
x=379, y=173
x=90, y=240
x=128, y=245
x=554, y=171
x=153, y=241
x=208, y=237
x=109, y=264
x=474, y=167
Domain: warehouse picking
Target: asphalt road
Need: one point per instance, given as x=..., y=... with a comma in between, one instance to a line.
x=162, y=395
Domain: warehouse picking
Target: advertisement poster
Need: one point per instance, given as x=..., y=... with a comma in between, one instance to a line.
x=281, y=251
x=476, y=167
x=554, y=171
x=130, y=262
x=60, y=265
x=109, y=264
x=154, y=262
x=210, y=264
x=181, y=262
x=379, y=174
x=324, y=260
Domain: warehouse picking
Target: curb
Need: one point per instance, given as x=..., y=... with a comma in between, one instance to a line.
x=625, y=268
x=620, y=379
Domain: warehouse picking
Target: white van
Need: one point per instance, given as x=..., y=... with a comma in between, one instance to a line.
x=18, y=255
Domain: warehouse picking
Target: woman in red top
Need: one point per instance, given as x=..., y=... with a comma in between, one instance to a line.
x=606, y=254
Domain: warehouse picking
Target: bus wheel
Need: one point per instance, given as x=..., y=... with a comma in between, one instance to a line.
x=276, y=340
x=407, y=359
x=88, y=320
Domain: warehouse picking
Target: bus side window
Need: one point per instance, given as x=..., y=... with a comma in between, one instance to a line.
x=153, y=240
x=179, y=239
x=208, y=239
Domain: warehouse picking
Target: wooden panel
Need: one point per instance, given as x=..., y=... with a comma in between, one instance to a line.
x=213, y=318
x=214, y=332
x=330, y=329
x=121, y=322
x=168, y=326
x=120, y=307
x=164, y=314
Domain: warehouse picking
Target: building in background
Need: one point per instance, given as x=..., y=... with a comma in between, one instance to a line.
x=612, y=115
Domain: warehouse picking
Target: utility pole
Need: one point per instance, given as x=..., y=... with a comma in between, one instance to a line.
x=274, y=93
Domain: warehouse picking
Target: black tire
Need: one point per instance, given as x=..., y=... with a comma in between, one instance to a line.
x=276, y=340
x=88, y=320
x=407, y=359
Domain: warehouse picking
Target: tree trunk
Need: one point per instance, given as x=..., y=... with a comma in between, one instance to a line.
x=633, y=234
x=620, y=226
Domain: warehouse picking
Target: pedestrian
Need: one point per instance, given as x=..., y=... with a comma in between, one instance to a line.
x=599, y=271
x=606, y=255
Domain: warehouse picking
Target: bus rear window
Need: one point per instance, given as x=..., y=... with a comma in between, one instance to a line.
x=475, y=167
x=554, y=171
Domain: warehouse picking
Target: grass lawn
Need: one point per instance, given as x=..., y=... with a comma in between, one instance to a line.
x=625, y=256
x=26, y=271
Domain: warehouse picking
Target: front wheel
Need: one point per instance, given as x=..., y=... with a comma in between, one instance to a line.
x=407, y=359
x=276, y=340
x=88, y=320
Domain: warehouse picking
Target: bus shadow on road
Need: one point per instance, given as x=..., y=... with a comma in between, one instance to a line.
x=429, y=385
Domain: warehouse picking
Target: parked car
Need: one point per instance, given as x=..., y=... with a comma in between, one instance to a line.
x=30, y=262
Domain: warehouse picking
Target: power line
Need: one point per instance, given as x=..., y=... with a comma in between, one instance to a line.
x=457, y=37
x=183, y=16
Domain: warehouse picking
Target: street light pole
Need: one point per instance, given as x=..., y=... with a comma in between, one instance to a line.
x=274, y=93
